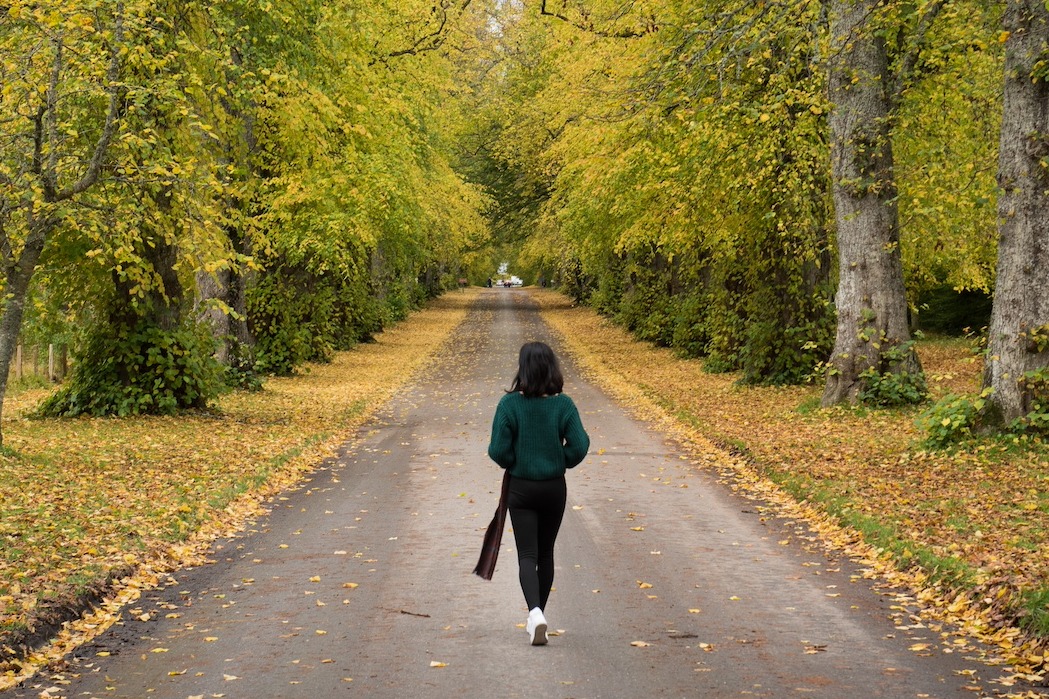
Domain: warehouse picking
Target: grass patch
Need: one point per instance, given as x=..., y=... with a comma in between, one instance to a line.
x=1036, y=606
x=808, y=406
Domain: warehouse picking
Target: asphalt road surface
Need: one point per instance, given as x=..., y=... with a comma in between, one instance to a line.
x=359, y=584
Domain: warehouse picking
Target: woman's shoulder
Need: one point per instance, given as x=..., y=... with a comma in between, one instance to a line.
x=510, y=398
x=565, y=399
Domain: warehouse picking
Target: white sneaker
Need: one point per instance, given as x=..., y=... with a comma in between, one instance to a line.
x=536, y=627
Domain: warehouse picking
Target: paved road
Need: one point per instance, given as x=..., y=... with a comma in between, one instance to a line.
x=359, y=584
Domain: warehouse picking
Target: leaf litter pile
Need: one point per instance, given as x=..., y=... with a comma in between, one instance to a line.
x=967, y=530
x=96, y=507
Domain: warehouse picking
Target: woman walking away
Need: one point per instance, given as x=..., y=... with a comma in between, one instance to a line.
x=536, y=435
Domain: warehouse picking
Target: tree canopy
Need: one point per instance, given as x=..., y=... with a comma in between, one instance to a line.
x=721, y=177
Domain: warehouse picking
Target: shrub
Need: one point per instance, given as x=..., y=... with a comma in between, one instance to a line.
x=139, y=369
x=887, y=386
x=951, y=419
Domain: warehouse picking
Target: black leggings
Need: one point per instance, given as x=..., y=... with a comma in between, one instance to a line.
x=536, y=509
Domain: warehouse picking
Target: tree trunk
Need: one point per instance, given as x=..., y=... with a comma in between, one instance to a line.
x=215, y=286
x=1020, y=314
x=871, y=301
x=230, y=286
x=17, y=277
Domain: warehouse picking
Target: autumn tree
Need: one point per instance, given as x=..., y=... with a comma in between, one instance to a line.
x=63, y=103
x=873, y=334
x=141, y=352
x=1017, y=364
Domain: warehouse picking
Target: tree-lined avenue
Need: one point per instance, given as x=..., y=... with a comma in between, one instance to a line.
x=668, y=585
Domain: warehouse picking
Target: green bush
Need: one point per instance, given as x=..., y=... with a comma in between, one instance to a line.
x=141, y=369
x=951, y=419
x=888, y=386
x=891, y=389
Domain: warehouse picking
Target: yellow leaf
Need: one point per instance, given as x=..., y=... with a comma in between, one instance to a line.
x=435, y=663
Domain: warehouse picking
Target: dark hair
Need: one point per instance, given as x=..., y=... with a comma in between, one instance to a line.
x=538, y=373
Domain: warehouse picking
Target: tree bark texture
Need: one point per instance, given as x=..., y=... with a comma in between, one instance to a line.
x=1021, y=295
x=871, y=300
x=230, y=286
x=17, y=275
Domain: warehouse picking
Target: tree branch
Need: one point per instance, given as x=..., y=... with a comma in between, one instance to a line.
x=428, y=42
x=588, y=26
x=113, y=113
x=48, y=173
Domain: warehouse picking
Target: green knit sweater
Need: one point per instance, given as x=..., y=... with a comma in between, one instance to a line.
x=537, y=438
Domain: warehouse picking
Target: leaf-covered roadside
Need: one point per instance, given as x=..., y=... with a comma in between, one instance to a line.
x=974, y=521
x=84, y=502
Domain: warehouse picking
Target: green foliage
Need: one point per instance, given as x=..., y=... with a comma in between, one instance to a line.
x=892, y=389
x=137, y=370
x=291, y=325
x=690, y=336
x=240, y=370
x=890, y=384
x=1036, y=390
x=774, y=355
x=1035, y=605
x=951, y=419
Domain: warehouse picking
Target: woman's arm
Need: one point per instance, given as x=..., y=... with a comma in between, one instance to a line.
x=576, y=440
x=501, y=446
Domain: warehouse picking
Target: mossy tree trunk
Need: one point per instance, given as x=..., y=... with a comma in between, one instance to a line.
x=871, y=300
x=1018, y=342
